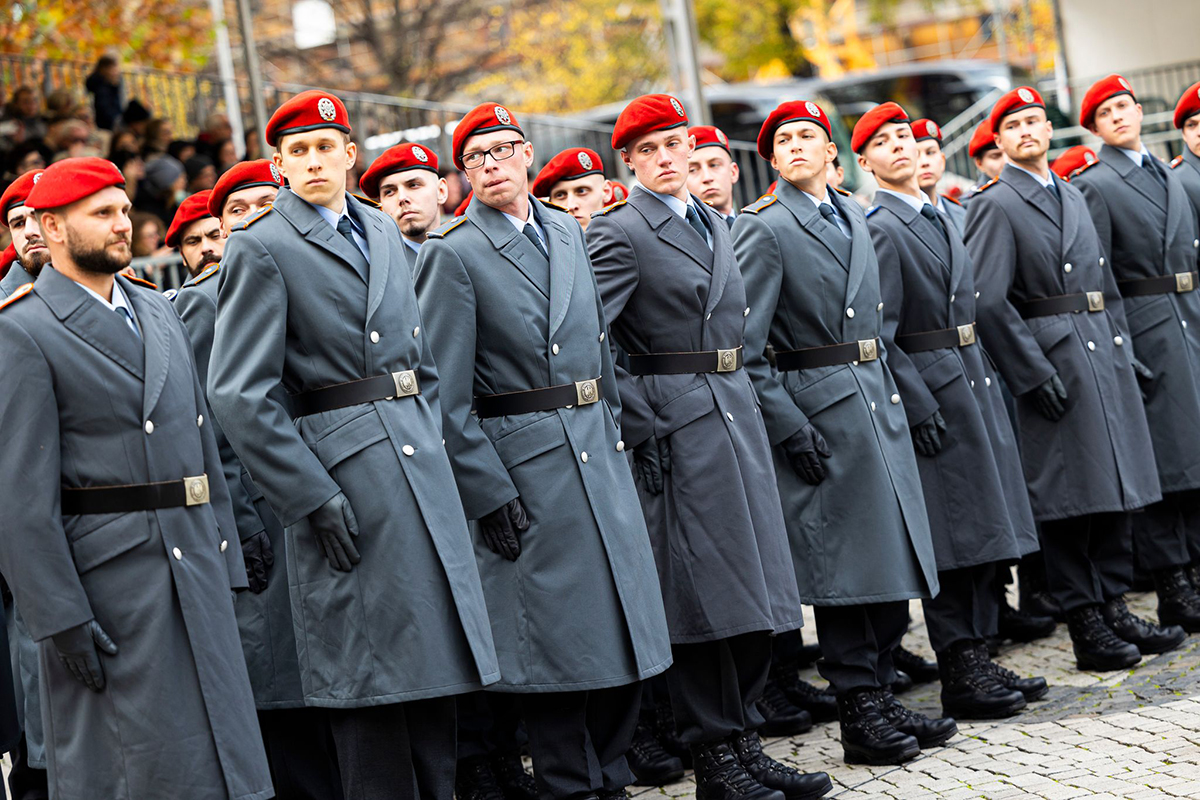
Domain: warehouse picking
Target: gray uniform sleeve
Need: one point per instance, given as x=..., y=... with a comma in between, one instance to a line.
x=761, y=262
x=243, y=381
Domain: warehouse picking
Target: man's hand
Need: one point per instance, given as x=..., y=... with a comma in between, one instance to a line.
x=335, y=529
x=77, y=651
x=1049, y=398
x=500, y=527
x=259, y=558
x=926, y=435
x=1144, y=375
x=651, y=460
x=804, y=450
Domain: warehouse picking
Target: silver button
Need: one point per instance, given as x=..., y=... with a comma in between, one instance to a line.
x=374, y=337
x=200, y=421
x=149, y=427
x=730, y=416
x=175, y=551
x=895, y=399
x=708, y=315
x=554, y=349
x=987, y=381
x=972, y=384
x=977, y=295
x=1067, y=267
x=1184, y=323
x=1091, y=345
x=850, y=313
x=872, y=405
x=746, y=313
x=602, y=336
x=1102, y=261
x=407, y=450
x=1118, y=341
x=855, y=363
x=951, y=298
x=224, y=545
x=583, y=456
x=620, y=446
x=1196, y=243
x=416, y=331
x=879, y=307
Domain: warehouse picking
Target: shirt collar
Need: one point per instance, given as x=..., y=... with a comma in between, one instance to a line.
x=519, y=223
x=1043, y=181
x=672, y=202
x=119, y=300
x=332, y=217
x=916, y=203
x=416, y=246
x=1136, y=156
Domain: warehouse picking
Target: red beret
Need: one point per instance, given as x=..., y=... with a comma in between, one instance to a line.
x=16, y=193
x=774, y=185
x=398, y=158
x=1072, y=159
x=1018, y=99
x=243, y=175
x=870, y=123
x=791, y=111
x=616, y=193
x=646, y=114
x=71, y=179
x=193, y=208
x=927, y=129
x=568, y=165
x=1188, y=105
x=483, y=118
x=982, y=139
x=710, y=136
x=7, y=259
x=1098, y=93
x=462, y=207
x=307, y=111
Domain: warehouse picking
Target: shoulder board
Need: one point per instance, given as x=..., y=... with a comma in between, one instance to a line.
x=1082, y=169
x=987, y=185
x=17, y=295
x=1176, y=161
x=142, y=282
x=248, y=221
x=554, y=206
x=208, y=273
x=451, y=226
x=170, y=294
x=872, y=210
x=842, y=191
x=951, y=199
x=759, y=204
x=611, y=206
x=366, y=201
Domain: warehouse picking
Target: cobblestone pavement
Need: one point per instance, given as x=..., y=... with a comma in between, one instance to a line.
x=1132, y=734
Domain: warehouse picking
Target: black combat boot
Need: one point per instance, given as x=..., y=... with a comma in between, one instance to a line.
x=1036, y=599
x=970, y=690
x=1034, y=688
x=1021, y=626
x=1149, y=638
x=721, y=776
x=1193, y=574
x=821, y=706
x=650, y=764
x=794, y=784
x=1097, y=647
x=868, y=738
x=668, y=735
x=920, y=670
x=903, y=682
x=1178, y=603
x=783, y=718
x=474, y=780
x=515, y=783
x=928, y=732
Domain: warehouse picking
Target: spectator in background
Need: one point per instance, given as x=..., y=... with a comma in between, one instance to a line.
x=159, y=135
x=163, y=187
x=181, y=150
x=253, y=145
x=136, y=118
x=201, y=174
x=69, y=138
x=60, y=105
x=224, y=155
x=24, y=157
x=216, y=129
x=124, y=142
x=457, y=186
x=108, y=92
x=149, y=232
x=132, y=168
x=23, y=108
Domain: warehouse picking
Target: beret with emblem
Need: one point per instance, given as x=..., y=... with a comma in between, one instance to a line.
x=647, y=114
x=1018, y=99
x=1100, y=92
x=926, y=129
x=1072, y=159
x=7, y=259
x=791, y=111
x=192, y=209
x=1188, y=105
x=243, y=175
x=307, y=111
x=71, y=179
x=16, y=193
x=982, y=139
x=616, y=193
x=483, y=118
x=576, y=162
x=870, y=123
x=398, y=158
x=710, y=136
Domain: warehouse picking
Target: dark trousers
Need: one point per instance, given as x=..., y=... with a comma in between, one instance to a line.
x=1167, y=533
x=715, y=685
x=857, y=643
x=578, y=740
x=301, y=753
x=966, y=608
x=489, y=724
x=1089, y=559
x=785, y=648
x=396, y=752
x=26, y=782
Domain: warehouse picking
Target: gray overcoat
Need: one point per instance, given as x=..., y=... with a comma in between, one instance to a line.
x=1186, y=167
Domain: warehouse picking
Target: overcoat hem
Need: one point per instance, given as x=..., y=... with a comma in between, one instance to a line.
x=579, y=686
x=737, y=630
x=404, y=697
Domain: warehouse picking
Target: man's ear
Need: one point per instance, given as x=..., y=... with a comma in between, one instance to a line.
x=734, y=171
x=443, y=191
x=351, y=155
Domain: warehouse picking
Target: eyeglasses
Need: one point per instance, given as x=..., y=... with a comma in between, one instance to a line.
x=475, y=158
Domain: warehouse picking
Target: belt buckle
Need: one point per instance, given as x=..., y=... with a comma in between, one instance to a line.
x=1095, y=301
x=195, y=490
x=406, y=383
x=868, y=350
x=1184, y=282
x=727, y=360
x=966, y=335
x=587, y=392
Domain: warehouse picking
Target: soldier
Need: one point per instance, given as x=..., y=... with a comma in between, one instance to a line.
x=29, y=247
x=574, y=180
x=404, y=181
x=1187, y=165
x=1148, y=229
x=531, y=414
x=324, y=383
x=1050, y=309
x=835, y=175
x=855, y=504
x=196, y=234
x=975, y=494
x=712, y=172
x=145, y=688
x=675, y=303
x=989, y=159
x=931, y=166
x=1071, y=159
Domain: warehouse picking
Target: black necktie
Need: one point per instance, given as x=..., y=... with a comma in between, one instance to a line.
x=1150, y=164
x=531, y=235
x=1052, y=188
x=729, y=221
x=346, y=229
x=693, y=218
x=127, y=318
x=830, y=214
x=928, y=212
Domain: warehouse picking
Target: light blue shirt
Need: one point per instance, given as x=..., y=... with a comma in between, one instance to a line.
x=1048, y=181
x=332, y=217
x=1136, y=156
x=842, y=222
x=120, y=304
x=916, y=203
x=416, y=246
x=680, y=207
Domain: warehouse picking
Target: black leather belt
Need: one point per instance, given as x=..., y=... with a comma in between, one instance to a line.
x=1164, y=284
x=685, y=363
x=1062, y=304
x=579, y=393
x=827, y=356
x=353, y=393
x=135, y=497
x=961, y=336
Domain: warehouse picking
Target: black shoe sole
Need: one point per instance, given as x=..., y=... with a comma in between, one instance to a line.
x=1037, y=694
x=855, y=756
x=1000, y=712
x=1087, y=664
x=1165, y=647
x=660, y=780
x=813, y=795
x=931, y=742
x=1189, y=626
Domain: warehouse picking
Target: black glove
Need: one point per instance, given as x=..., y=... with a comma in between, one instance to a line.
x=500, y=528
x=651, y=459
x=1049, y=398
x=77, y=652
x=336, y=528
x=802, y=449
x=259, y=558
x=1144, y=375
x=926, y=438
